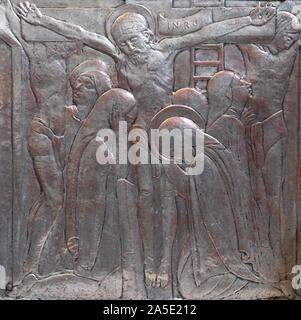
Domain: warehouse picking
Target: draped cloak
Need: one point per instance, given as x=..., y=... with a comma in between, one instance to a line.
x=91, y=202
x=220, y=250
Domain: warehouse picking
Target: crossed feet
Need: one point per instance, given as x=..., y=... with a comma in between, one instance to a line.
x=159, y=279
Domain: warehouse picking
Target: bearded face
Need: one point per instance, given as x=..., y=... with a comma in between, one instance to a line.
x=135, y=46
x=133, y=37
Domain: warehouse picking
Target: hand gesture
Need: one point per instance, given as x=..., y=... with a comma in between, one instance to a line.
x=262, y=14
x=29, y=12
x=249, y=117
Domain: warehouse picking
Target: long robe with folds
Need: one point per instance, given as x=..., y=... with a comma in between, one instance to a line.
x=91, y=201
x=230, y=131
x=218, y=259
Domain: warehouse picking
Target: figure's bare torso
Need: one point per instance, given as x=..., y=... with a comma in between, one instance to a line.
x=269, y=76
x=151, y=83
x=49, y=84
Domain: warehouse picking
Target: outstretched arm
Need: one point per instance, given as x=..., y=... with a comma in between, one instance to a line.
x=13, y=25
x=31, y=14
x=7, y=32
x=258, y=17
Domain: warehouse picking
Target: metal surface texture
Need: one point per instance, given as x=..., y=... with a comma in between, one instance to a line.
x=73, y=228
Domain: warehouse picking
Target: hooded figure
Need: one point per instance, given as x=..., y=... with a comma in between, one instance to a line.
x=228, y=99
x=218, y=251
x=91, y=204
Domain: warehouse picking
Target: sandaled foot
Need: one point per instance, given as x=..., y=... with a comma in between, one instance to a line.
x=163, y=279
x=150, y=278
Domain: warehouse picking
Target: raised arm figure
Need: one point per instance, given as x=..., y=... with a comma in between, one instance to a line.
x=48, y=79
x=258, y=17
x=31, y=14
